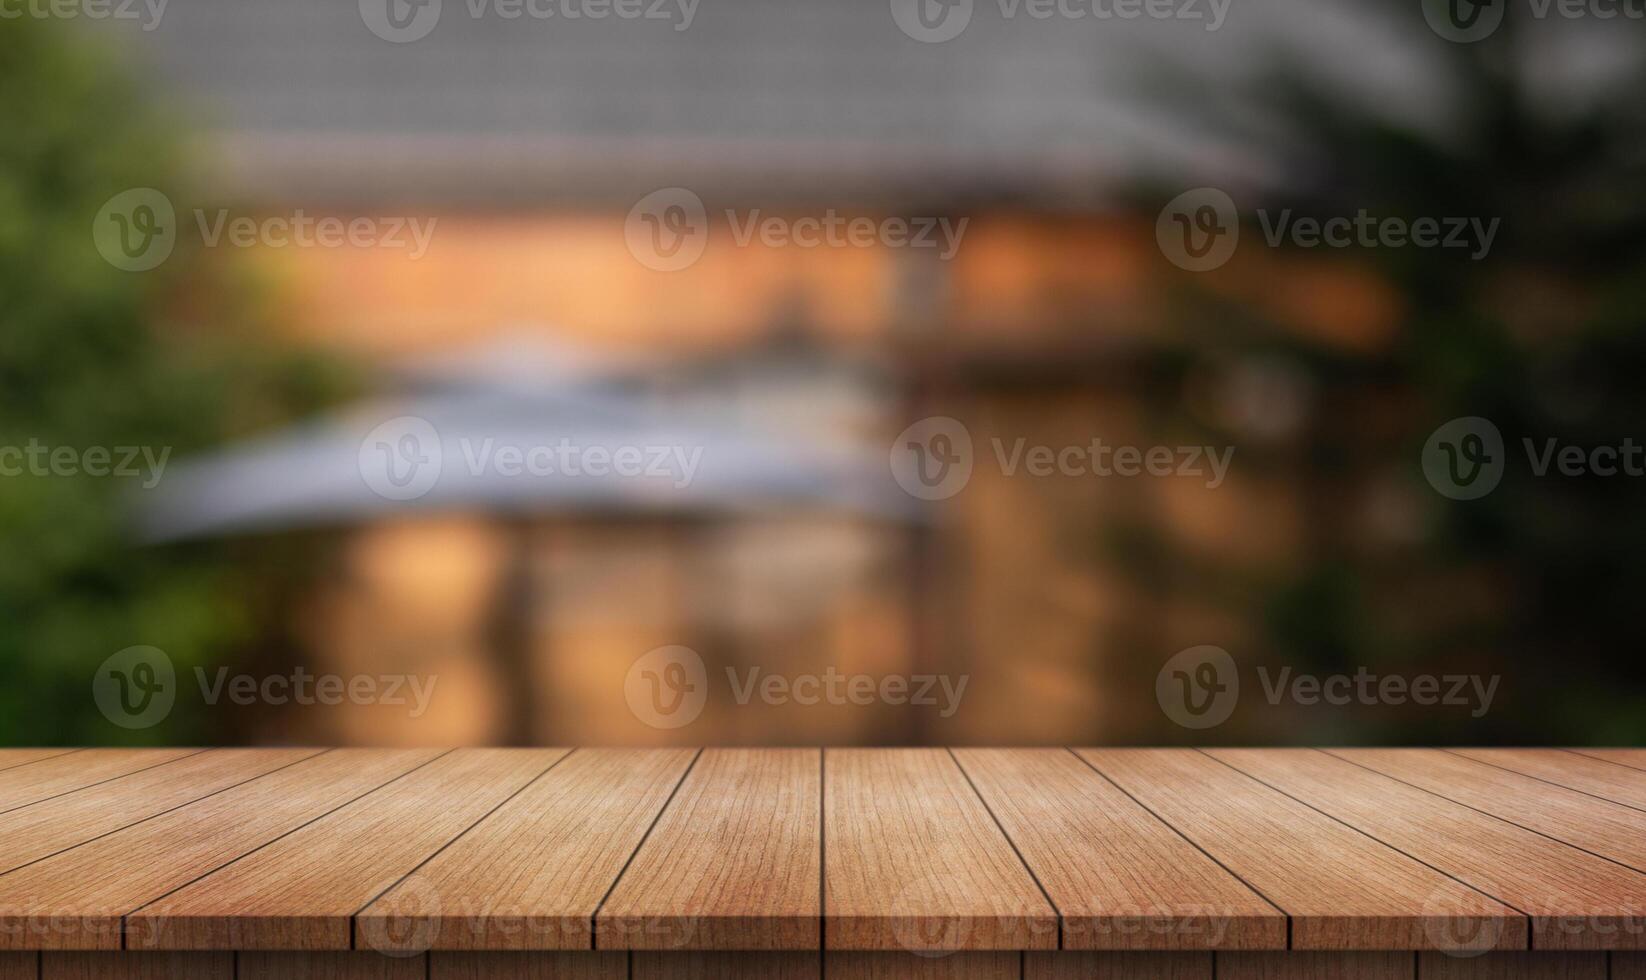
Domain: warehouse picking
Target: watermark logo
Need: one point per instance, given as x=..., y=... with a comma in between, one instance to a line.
x=1464, y=21
x=136, y=230
x=932, y=459
x=1199, y=687
x=404, y=21
x=667, y=229
x=668, y=687
x=1468, y=21
x=932, y=21
x=1464, y=459
x=122, y=462
x=916, y=929
x=1198, y=229
x=935, y=21
x=400, y=21
x=1454, y=925
x=147, y=11
x=136, y=688
x=402, y=458
x=408, y=928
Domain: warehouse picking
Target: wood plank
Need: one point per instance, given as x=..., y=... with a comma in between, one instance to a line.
x=42, y=829
x=1117, y=966
x=1342, y=889
x=913, y=966
x=46, y=778
x=1628, y=966
x=1315, y=965
x=1119, y=877
x=137, y=966
x=302, y=891
x=19, y=966
x=533, y=874
x=1513, y=966
x=76, y=899
x=1633, y=758
x=914, y=861
x=528, y=966
x=1620, y=784
x=1608, y=829
x=734, y=862
x=329, y=966
x=12, y=758
x=1576, y=900
x=727, y=966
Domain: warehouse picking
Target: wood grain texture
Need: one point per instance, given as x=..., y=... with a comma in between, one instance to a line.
x=733, y=863
x=1118, y=876
x=76, y=899
x=302, y=891
x=1513, y=966
x=1576, y=900
x=56, y=775
x=1316, y=966
x=19, y=966
x=1117, y=966
x=1608, y=829
x=533, y=874
x=137, y=966
x=1628, y=966
x=909, y=966
x=42, y=829
x=1342, y=889
x=528, y=966
x=1608, y=780
x=12, y=758
x=727, y=966
x=914, y=861
x=1633, y=758
x=329, y=966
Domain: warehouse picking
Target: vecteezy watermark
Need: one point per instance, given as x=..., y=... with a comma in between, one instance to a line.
x=1455, y=921
x=936, y=21
x=403, y=458
x=668, y=229
x=1199, y=229
x=137, y=229
x=138, y=688
x=404, y=21
x=135, y=688
x=37, y=459
x=669, y=687
x=1200, y=688
x=147, y=11
x=933, y=459
x=1465, y=458
x=1468, y=21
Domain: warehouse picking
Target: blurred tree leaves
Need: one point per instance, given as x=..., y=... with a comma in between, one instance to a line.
x=92, y=356
x=1540, y=580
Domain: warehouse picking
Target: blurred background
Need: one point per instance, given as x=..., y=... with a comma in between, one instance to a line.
x=520, y=189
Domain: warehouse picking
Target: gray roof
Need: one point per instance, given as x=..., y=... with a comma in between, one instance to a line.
x=565, y=425
x=303, y=98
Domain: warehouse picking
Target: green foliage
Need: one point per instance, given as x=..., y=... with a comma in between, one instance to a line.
x=1539, y=581
x=89, y=357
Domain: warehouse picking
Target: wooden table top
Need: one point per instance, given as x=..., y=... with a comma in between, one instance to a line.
x=806, y=849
